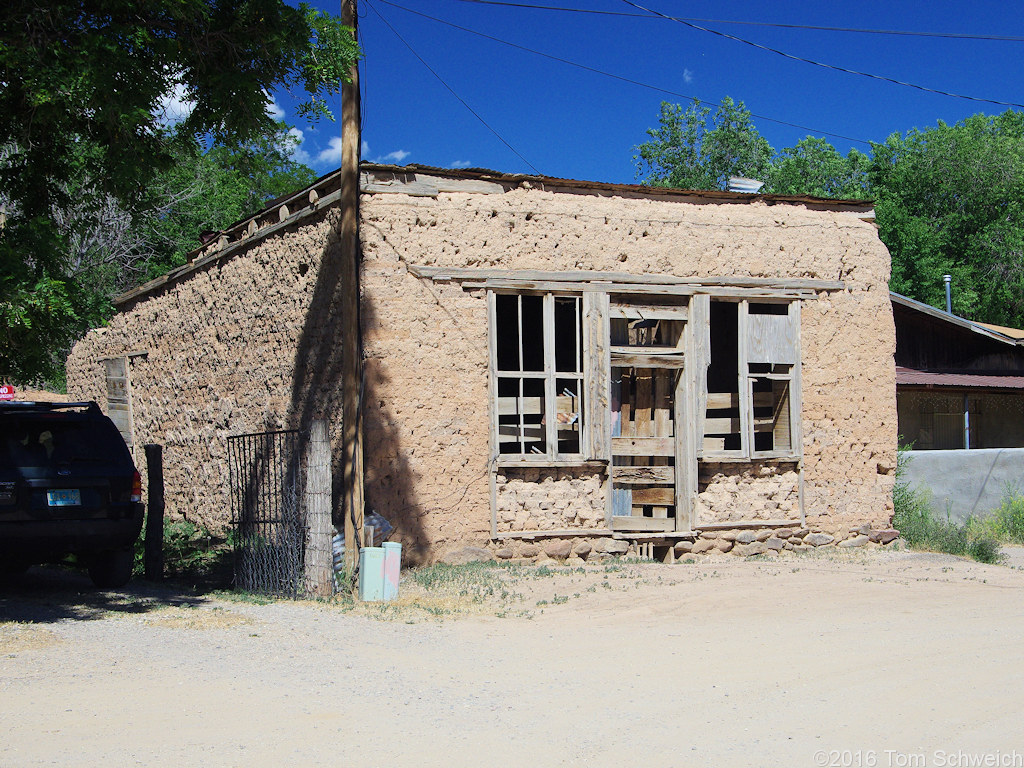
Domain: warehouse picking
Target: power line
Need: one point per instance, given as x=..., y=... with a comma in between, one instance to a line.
x=905, y=33
x=452, y=91
x=620, y=78
x=822, y=64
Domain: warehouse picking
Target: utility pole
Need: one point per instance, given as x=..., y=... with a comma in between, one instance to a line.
x=351, y=338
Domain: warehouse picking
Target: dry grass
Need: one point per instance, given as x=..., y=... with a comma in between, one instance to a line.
x=200, y=618
x=17, y=637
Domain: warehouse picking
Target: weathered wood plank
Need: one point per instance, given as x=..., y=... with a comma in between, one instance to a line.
x=643, y=349
x=471, y=273
x=649, y=495
x=648, y=312
x=642, y=475
x=643, y=446
x=597, y=375
x=664, y=382
x=634, y=288
x=742, y=383
x=730, y=426
x=620, y=360
x=643, y=407
x=637, y=523
x=723, y=400
x=771, y=339
x=508, y=406
x=561, y=534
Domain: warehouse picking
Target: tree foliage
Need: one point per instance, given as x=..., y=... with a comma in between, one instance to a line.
x=687, y=152
x=815, y=167
x=950, y=200
x=80, y=113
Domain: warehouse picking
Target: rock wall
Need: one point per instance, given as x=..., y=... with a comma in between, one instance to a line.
x=252, y=343
x=245, y=345
x=550, y=499
x=748, y=492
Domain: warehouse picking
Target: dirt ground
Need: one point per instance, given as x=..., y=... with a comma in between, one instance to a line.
x=846, y=659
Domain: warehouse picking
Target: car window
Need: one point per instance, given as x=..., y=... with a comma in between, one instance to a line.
x=48, y=441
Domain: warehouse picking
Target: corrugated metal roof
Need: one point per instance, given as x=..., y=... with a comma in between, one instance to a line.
x=992, y=331
x=910, y=377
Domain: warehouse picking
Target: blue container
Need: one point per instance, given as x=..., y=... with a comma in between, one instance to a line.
x=371, y=574
x=392, y=568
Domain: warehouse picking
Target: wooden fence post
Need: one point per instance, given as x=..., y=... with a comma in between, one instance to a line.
x=153, y=559
x=319, y=563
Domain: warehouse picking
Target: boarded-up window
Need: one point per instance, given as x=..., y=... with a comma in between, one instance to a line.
x=538, y=366
x=119, y=396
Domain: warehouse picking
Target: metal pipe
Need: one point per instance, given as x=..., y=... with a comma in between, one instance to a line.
x=947, y=279
x=967, y=422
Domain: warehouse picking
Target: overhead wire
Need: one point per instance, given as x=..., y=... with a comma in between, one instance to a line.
x=778, y=25
x=451, y=90
x=823, y=65
x=620, y=78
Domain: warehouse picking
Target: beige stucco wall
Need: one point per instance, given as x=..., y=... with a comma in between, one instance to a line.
x=252, y=343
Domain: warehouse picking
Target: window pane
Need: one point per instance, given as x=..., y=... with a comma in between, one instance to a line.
x=722, y=422
x=568, y=335
x=506, y=317
x=771, y=415
x=532, y=333
x=521, y=427
x=569, y=414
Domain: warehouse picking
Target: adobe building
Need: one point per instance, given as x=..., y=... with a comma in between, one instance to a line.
x=549, y=366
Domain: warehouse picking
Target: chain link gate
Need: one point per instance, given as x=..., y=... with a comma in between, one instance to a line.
x=270, y=530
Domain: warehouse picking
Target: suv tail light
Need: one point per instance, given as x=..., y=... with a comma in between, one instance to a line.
x=136, y=488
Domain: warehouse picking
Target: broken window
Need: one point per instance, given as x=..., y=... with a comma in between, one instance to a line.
x=537, y=354
x=751, y=408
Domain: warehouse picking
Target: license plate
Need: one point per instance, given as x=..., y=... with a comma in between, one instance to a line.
x=68, y=498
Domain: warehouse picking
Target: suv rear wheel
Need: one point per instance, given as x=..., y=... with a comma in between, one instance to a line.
x=112, y=569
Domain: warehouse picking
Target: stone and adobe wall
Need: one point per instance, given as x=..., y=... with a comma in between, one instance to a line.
x=249, y=342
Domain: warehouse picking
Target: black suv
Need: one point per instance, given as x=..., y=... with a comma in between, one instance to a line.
x=68, y=485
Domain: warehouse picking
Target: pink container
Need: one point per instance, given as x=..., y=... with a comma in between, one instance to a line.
x=392, y=568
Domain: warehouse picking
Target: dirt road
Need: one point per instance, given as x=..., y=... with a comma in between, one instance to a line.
x=848, y=660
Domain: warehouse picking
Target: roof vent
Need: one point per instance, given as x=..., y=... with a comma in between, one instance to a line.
x=742, y=184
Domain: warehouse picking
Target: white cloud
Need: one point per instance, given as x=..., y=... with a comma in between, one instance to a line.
x=365, y=149
x=460, y=164
x=687, y=76
x=332, y=154
x=174, y=107
x=299, y=154
x=396, y=157
x=274, y=109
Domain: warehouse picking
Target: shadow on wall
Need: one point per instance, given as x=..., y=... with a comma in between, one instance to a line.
x=317, y=394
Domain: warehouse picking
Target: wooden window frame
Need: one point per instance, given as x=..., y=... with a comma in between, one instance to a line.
x=550, y=375
x=745, y=388
x=123, y=402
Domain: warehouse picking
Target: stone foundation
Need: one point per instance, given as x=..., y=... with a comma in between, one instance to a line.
x=744, y=542
x=748, y=492
x=545, y=499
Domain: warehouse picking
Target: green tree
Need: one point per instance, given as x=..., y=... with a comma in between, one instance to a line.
x=815, y=167
x=688, y=153
x=80, y=100
x=111, y=249
x=949, y=201
x=209, y=191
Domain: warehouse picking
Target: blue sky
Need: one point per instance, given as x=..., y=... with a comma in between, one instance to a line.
x=564, y=121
